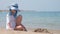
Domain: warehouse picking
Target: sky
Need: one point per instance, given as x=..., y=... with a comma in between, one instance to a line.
x=38, y=5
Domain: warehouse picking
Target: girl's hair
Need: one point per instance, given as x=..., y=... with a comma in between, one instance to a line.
x=10, y=13
x=15, y=6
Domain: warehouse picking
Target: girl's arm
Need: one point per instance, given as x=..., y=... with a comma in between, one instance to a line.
x=8, y=25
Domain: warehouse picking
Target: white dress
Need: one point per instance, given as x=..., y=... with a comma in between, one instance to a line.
x=11, y=20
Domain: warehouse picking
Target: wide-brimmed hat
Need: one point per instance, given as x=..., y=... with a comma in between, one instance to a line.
x=14, y=7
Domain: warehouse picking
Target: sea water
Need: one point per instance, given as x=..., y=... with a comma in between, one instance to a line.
x=35, y=19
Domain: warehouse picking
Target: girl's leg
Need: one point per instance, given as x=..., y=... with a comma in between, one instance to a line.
x=18, y=20
x=19, y=26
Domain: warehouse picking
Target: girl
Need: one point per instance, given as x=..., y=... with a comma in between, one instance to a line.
x=14, y=22
x=11, y=17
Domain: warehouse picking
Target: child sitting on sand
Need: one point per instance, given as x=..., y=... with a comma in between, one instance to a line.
x=11, y=17
x=13, y=21
x=19, y=26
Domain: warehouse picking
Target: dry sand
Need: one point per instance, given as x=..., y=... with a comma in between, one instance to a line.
x=4, y=31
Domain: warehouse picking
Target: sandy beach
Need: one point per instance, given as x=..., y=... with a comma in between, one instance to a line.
x=4, y=31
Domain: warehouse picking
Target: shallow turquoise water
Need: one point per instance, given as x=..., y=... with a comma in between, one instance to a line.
x=49, y=20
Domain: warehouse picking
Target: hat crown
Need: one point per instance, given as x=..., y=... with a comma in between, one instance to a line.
x=15, y=5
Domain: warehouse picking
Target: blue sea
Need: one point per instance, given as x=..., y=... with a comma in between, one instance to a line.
x=36, y=19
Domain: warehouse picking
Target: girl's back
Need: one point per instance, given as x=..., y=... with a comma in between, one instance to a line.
x=10, y=21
